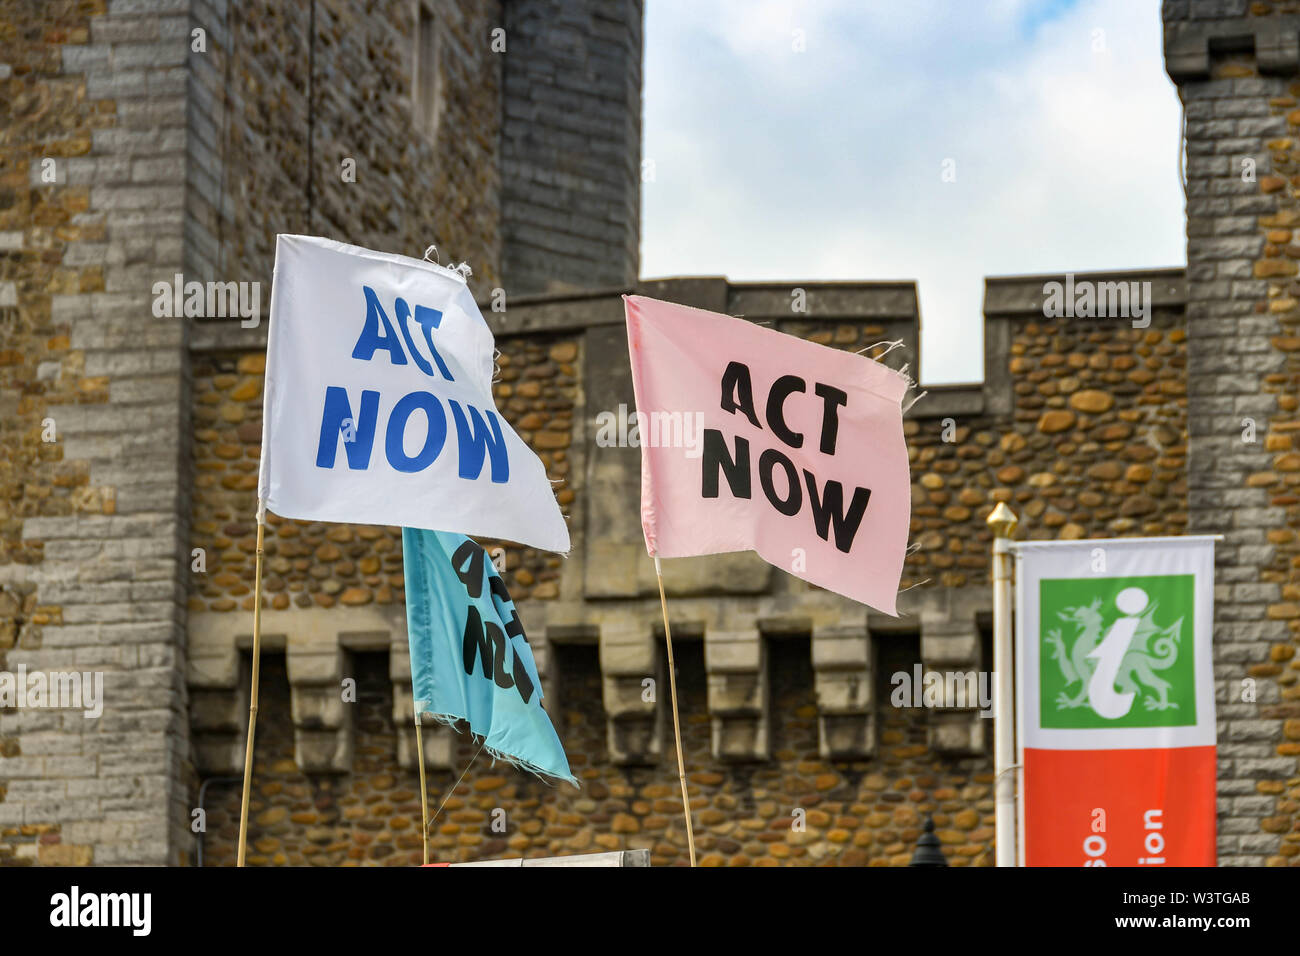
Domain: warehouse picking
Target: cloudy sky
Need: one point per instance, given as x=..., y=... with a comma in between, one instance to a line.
x=776, y=164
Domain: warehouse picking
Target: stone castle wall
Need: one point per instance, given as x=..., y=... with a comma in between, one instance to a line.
x=1082, y=431
x=91, y=213
x=1236, y=74
x=571, y=144
x=183, y=136
x=320, y=564
x=169, y=160
x=301, y=120
x=1096, y=447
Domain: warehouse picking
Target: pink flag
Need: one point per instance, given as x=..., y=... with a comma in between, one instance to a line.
x=753, y=439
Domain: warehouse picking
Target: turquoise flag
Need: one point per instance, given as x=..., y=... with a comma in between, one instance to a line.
x=470, y=658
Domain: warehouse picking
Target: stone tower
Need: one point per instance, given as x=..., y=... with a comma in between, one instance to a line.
x=1237, y=67
x=571, y=145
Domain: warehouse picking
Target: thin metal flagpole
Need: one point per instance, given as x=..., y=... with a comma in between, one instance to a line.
x=424, y=790
x=252, y=696
x=1003, y=523
x=677, y=730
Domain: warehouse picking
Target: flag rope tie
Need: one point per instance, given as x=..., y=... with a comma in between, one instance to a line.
x=453, y=787
x=892, y=343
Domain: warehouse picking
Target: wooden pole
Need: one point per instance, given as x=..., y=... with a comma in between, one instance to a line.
x=252, y=696
x=677, y=730
x=424, y=790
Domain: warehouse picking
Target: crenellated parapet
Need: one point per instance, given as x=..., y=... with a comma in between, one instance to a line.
x=734, y=633
x=1196, y=31
x=317, y=648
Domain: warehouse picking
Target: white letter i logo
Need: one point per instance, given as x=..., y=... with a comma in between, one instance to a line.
x=1109, y=654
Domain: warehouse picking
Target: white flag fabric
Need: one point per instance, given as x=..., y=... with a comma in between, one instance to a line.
x=378, y=402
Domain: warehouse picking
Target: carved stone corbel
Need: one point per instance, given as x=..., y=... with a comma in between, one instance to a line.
x=843, y=661
x=628, y=657
x=736, y=664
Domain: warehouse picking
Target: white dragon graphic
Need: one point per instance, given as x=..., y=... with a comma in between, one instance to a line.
x=1111, y=669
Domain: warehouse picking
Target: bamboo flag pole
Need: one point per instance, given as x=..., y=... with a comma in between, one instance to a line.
x=252, y=696
x=677, y=730
x=424, y=790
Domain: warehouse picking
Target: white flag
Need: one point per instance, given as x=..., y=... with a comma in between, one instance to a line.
x=378, y=402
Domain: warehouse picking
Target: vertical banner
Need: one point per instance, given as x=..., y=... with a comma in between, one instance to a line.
x=1115, y=702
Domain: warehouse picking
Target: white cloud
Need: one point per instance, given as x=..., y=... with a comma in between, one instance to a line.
x=773, y=164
